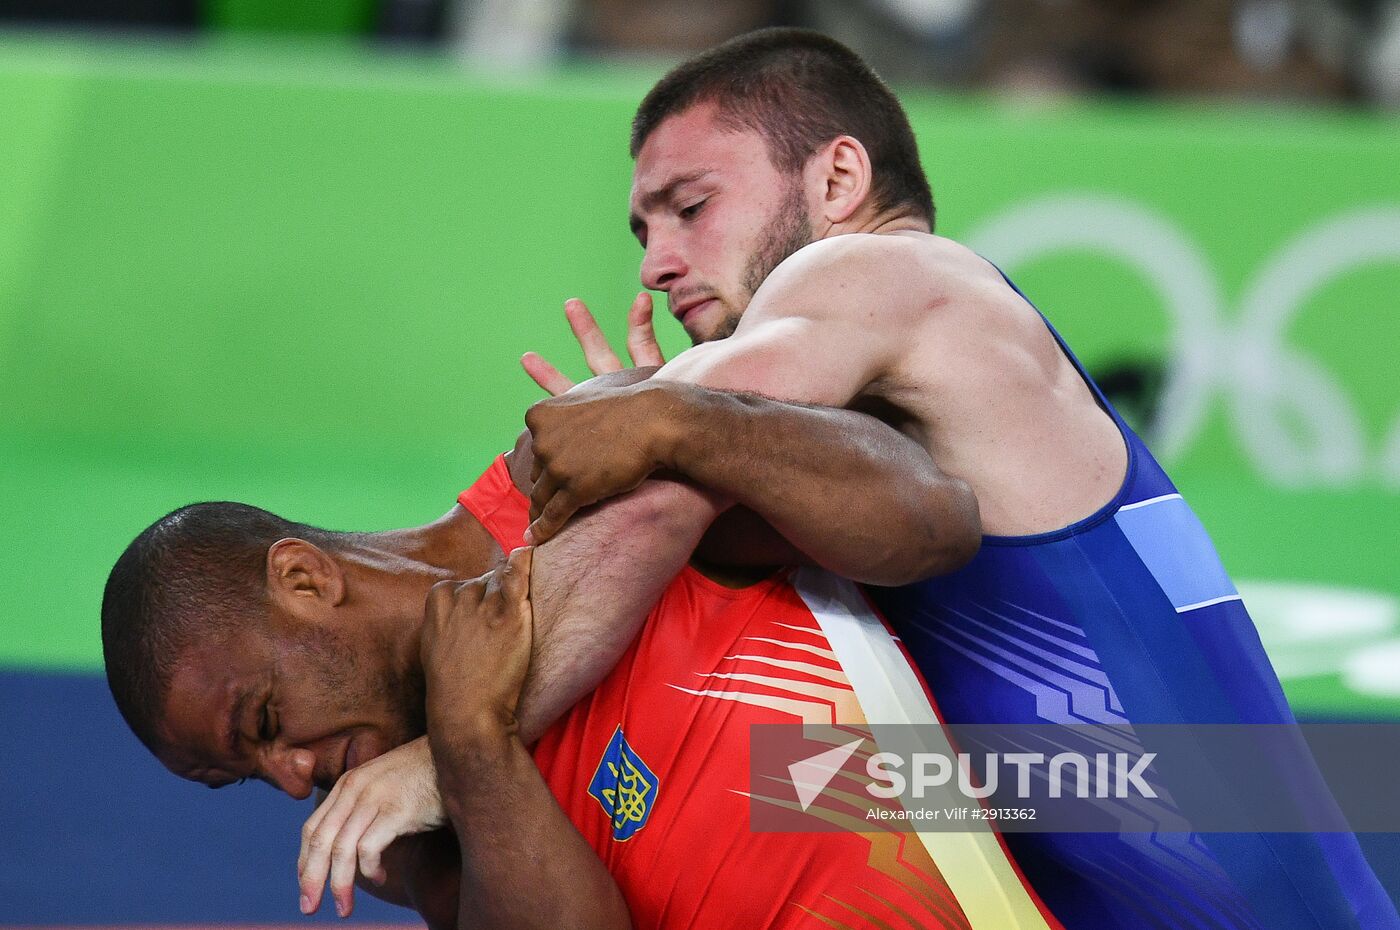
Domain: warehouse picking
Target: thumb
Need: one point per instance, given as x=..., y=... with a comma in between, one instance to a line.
x=515, y=583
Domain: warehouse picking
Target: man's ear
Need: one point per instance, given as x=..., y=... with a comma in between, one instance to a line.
x=842, y=177
x=303, y=579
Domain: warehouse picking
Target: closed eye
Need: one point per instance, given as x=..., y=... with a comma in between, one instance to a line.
x=692, y=211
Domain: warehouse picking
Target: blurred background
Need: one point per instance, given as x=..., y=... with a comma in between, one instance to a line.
x=289, y=252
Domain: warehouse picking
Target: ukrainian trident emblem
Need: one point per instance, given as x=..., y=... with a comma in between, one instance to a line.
x=624, y=786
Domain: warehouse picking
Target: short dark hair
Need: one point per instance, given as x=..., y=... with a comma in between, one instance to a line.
x=799, y=89
x=192, y=576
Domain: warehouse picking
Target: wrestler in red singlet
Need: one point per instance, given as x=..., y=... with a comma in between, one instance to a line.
x=653, y=767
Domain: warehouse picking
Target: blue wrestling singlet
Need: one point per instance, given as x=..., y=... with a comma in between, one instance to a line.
x=1128, y=617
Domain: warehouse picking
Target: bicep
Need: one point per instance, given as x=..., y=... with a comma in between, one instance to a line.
x=829, y=320
x=791, y=358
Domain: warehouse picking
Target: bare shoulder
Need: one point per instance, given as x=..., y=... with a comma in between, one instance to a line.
x=948, y=318
x=878, y=278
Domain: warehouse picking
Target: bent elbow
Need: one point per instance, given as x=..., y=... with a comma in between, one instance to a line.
x=956, y=552
x=942, y=559
x=937, y=536
x=952, y=529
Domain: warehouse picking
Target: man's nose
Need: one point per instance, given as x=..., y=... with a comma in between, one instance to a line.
x=662, y=265
x=291, y=770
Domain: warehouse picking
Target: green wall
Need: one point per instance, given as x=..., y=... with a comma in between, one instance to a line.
x=303, y=276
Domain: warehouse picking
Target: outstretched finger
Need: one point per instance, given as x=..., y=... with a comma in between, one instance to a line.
x=641, y=335
x=544, y=374
x=599, y=355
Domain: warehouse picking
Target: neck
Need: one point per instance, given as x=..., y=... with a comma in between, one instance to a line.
x=870, y=221
x=389, y=574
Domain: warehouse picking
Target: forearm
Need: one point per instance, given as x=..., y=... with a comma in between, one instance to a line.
x=523, y=863
x=593, y=585
x=424, y=873
x=855, y=495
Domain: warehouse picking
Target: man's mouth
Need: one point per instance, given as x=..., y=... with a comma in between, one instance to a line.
x=690, y=308
x=350, y=756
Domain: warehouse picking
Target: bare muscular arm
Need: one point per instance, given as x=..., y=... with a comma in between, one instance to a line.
x=592, y=586
x=517, y=845
x=523, y=865
x=848, y=492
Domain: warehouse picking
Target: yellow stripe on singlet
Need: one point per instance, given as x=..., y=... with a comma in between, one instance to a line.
x=971, y=861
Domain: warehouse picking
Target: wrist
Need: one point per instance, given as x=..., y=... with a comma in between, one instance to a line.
x=679, y=426
x=473, y=769
x=470, y=743
x=431, y=866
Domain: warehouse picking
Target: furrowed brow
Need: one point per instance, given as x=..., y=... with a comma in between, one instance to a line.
x=663, y=194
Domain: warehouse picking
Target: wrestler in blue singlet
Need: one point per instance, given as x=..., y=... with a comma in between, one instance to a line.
x=1128, y=617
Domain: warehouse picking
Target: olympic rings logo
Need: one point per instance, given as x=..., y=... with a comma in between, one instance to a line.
x=1295, y=422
